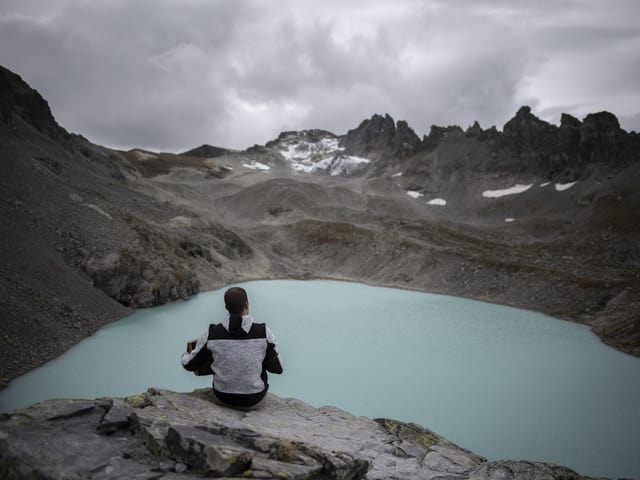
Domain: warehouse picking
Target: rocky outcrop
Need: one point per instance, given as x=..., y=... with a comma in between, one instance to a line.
x=438, y=134
x=380, y=138
x=156, y=267
x=149, y=270
x=162, y=434
x=527, y=146
x=526, y=131
x=575, y=149
x=137, y=280
x=602, y=140
x=19, y=100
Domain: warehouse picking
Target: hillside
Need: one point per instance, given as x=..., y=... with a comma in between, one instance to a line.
x=537, y=216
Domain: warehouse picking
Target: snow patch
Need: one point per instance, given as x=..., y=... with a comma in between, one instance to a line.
x=308, y=167
x=564, y=186
x=509, y=219
x=544, y=184
x=441, y=202
x=399, y=174
x=345, y=164
x=324, y=154
x=518, y=188
x=254, y=165
x=142, y=155
x=414, y=194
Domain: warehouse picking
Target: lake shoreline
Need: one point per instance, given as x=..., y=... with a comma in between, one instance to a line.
x=61, y=344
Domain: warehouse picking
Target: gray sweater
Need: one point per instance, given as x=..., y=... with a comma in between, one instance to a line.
x=240, y=353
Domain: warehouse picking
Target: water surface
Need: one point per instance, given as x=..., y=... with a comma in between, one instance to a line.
x=503, y=382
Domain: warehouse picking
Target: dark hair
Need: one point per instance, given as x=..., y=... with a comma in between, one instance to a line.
x=235, y=300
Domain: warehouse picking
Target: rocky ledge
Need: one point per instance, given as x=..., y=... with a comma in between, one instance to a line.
x=162, y=434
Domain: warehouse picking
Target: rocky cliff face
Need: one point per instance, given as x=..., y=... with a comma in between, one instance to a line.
x=161, y=434
x=18, y=102
x=382, y=139
x=575, y=149
x=530, y=146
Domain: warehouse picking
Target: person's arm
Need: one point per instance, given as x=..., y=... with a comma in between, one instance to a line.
x=272, y=361
x=198, y=355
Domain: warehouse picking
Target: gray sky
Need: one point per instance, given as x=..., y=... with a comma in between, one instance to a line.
x=174, y=74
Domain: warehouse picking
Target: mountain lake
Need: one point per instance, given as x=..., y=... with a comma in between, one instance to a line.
x=502, y=382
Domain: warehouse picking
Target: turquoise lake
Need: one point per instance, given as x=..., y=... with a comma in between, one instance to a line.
x=503, y=382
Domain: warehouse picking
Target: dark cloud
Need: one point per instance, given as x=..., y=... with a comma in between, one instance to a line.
x=169, y=75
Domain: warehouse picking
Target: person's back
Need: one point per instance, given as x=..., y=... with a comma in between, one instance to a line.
x=240, y=353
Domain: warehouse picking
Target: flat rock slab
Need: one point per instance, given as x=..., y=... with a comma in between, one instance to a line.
x=162, y=434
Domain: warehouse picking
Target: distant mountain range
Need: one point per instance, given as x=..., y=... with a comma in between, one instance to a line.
x=537, y=216
x=527, y=145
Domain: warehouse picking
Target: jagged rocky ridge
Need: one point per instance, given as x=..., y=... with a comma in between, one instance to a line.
x=527, y=145
x=162, y=434
x=89, y=232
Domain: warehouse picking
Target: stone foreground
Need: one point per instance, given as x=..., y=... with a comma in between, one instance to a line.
x=162, y=434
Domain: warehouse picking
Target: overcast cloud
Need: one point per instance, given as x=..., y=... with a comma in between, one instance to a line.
x=174, y=74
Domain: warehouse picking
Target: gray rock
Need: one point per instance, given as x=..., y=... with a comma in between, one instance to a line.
x=137, y=279
x=210, y=453
x=381, y=138
x=17, y=99
x=115, y=419
x=184, y=435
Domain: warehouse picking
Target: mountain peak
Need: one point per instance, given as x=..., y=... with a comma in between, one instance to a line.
x=207, y=151
x=605, y=121
x=312, y=135
x=19, y=99
x=527, y=130
x=383, y=138
x=569, y=121
x=311, y=151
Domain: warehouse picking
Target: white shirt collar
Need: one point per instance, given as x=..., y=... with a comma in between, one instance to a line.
x=247, y=321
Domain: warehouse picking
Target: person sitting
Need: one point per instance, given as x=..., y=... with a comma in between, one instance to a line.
x=239, y=351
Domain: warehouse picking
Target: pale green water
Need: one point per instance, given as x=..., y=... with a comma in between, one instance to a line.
x=505, y=383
